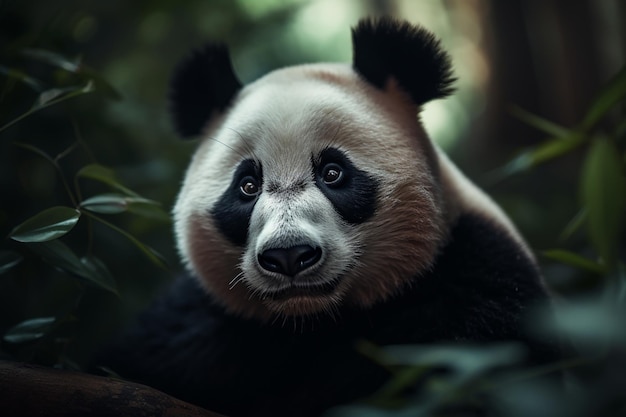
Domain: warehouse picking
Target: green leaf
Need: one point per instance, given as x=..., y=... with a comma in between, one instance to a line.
x=467, y=359
x=53, y=59
x=611, y=94
x=8, y=260
x=17, y=74
x=107, y=203
x=29, y=330
x=61, y=256
x=104, y=175
x=555, y=147
x=544, y=152
x=51, y=97
x=117, y=203
x=74, y=66
x=48, y=225
x=100, y=273
x=56, y=95
x=573, y=225
x=604, y=195
x=575, y=260
x=591, y=323
x=153, y=255
x=539, y=123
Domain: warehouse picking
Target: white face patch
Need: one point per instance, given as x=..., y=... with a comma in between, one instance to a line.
x=347, y=211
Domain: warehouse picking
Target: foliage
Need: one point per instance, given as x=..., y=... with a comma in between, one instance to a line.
x=40, y=236
x=591, y=322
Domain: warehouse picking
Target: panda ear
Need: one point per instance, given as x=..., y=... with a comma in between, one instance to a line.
x=202, y=84
x=387, y=48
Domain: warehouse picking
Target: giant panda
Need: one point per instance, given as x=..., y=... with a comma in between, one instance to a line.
x=316, y=213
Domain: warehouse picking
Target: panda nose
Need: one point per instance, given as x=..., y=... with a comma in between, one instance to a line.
x=289, y=261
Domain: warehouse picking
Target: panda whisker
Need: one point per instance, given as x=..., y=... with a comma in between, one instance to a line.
x=228, y=146
x=238, y=278
x=248, y=147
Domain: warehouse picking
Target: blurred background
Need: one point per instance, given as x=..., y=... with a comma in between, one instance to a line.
x=549, y=58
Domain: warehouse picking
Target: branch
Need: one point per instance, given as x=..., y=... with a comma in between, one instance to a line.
x=31, y=390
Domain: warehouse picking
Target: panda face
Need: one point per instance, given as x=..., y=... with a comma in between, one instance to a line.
x=312, y=187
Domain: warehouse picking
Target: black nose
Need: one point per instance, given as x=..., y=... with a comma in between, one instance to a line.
x=289, y=261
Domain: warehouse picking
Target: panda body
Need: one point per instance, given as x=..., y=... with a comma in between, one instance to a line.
x=316, y=214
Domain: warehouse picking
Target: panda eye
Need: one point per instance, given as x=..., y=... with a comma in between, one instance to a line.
x=249, y=187
x=332, y=174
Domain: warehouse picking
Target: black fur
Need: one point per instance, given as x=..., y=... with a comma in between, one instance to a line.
x=232, y=211
x=479, y=290
x=355, y=198
x=387, y=48
x=203, y=84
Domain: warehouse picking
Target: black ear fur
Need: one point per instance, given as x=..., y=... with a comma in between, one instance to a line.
x=410, y=54
x=202, y=84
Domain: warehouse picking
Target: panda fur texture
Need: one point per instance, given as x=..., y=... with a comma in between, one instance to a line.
x=316, y=213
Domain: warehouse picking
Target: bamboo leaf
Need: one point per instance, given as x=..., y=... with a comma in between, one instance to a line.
x=116, y=203
x=546, y=151
x=106, y=204
x=589, y=322
x=100, y=273
x=57, y=95
x=575, y=260
x=90, y=269
x=611, y=94
x=104, y=175
x=51, y=97
x=8, y=260
x=74, y=66
x=53, y=59
x=19, y=75
x=29, y=330
x=467, y=359
x=153, y=255
x=60, y=255
x=48, y=225
x=539, y=123
x=603, y=187
x=573, y=225
x=554, y=148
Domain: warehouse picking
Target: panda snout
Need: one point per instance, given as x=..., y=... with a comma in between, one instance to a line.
x=289, y=261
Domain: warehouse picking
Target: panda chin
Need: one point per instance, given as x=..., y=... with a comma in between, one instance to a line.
x=304, y=305
x=304, y=299
x=293, y=291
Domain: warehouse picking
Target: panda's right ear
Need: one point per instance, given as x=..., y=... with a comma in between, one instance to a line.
x=202, y=85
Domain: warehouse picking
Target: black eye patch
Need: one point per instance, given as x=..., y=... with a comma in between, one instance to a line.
x=232, y=213
x=352, y=191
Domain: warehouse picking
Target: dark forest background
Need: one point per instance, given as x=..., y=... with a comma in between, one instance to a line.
x=87, y=149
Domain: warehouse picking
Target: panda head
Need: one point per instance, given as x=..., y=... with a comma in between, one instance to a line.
x=314, y=188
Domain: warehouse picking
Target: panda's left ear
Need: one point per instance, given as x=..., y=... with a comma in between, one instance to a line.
x=387, y=48
x=202, y=86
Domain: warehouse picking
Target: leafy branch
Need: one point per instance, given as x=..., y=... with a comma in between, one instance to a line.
x=41, y=234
